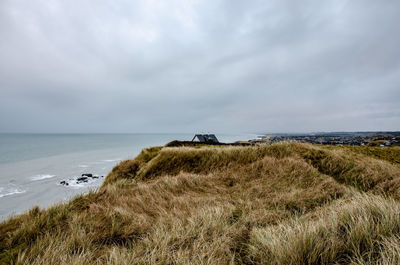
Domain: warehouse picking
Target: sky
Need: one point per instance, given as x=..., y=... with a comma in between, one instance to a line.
x=131, y=66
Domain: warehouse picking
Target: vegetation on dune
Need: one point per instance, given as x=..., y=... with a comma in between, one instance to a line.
x=286, y=203
x=360, y=230
x=389, y=154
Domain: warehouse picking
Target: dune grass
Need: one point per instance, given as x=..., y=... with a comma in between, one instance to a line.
x=389, y=154
x=353, y=231
x=287, y=203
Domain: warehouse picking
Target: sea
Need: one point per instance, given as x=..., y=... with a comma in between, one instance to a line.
x=33, y=165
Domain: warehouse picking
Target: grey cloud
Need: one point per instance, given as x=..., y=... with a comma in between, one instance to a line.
x=184, y=66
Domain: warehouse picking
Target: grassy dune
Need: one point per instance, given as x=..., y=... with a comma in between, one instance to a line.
x=286, y=203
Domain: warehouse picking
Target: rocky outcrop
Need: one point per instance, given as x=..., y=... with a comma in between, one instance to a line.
x=85, y=178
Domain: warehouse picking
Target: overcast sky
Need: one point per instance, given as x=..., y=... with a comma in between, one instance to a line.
x=197, y=66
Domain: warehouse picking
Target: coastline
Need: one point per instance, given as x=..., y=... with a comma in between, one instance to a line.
x=170, y=202
x=24, y=184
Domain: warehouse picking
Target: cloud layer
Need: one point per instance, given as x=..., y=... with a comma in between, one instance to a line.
x=188, y=66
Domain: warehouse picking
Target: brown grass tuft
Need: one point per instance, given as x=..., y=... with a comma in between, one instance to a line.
x=286, y=203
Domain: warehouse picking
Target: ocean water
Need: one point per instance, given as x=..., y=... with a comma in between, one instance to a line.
x=33, y=165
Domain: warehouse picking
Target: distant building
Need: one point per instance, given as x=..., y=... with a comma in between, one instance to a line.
x=205, y=138
x=388, y=143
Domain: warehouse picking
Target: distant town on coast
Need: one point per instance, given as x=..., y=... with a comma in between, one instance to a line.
x=380, y=139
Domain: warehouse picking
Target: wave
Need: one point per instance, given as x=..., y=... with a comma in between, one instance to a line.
x=42, y=176
x=10, y=191
x=112, y=160
x=78, y=185
x=75, y=185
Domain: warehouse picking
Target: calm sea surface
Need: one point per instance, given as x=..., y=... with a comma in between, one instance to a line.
x=32, y=165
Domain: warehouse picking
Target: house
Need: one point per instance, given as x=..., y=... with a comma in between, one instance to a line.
x=205, y=138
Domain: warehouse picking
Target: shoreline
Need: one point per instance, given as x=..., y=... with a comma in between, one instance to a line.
x=24, y=184
x=186, y=198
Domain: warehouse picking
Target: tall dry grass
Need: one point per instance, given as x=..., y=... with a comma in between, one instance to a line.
x=279, y=204
x=361, y=230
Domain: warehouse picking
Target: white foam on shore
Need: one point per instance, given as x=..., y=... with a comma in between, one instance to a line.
x=112, y=160
x=42, y=176
x=73, y=183
x=83, y=166
x=10, y=191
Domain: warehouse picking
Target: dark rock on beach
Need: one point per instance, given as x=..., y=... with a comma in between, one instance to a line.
x=64, y=183
x=83, y=179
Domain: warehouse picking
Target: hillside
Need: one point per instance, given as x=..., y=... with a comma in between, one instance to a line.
x=286, y=203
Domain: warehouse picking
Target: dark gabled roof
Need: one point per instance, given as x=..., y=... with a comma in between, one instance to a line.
x=206, y=138
x=211, y=137
x=200, y=137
